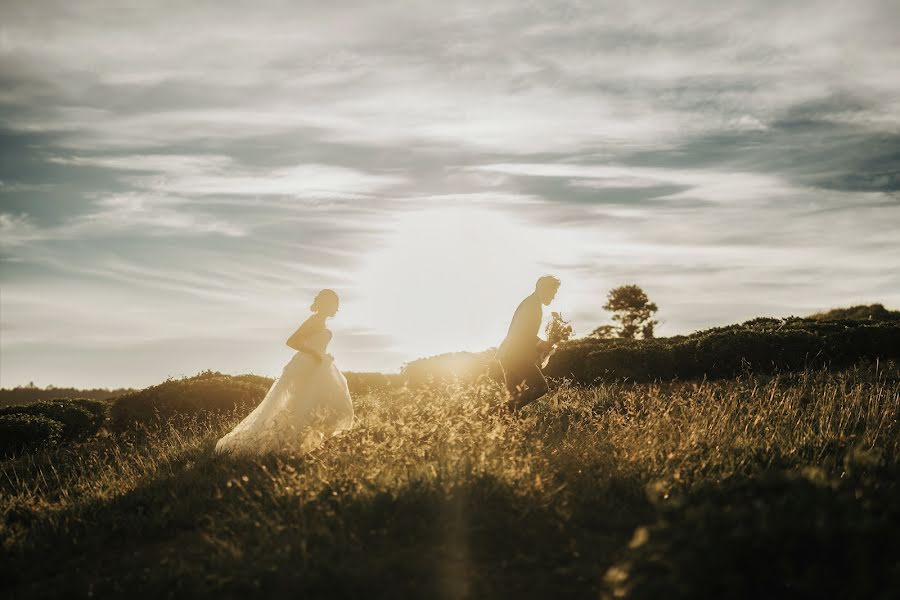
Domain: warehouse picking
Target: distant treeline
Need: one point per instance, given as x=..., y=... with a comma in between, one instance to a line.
x=359, y=383
x=30, y=394
x=838, y=338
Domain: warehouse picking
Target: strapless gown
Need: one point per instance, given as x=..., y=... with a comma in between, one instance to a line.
x=306, y=405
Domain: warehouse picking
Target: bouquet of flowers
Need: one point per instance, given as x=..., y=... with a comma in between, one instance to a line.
x=558, y=330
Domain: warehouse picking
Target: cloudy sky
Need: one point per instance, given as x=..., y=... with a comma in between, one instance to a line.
x=178, y=179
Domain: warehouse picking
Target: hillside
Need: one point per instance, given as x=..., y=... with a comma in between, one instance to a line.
x=746, y=488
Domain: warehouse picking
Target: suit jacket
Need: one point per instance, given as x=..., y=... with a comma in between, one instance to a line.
x=522, y=338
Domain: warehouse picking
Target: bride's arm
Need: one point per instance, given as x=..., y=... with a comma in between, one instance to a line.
x=297, y=341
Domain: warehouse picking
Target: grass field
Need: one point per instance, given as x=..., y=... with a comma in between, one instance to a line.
x=777, y=486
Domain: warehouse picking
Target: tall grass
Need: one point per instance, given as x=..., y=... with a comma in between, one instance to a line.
x=429, y=495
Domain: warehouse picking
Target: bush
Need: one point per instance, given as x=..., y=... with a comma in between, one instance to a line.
x=207, y=393
x=20, y=432
x=77, y=421
x=99, y=409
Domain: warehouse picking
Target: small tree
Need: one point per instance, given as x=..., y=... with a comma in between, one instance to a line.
x=604, y=332
x=632, y=310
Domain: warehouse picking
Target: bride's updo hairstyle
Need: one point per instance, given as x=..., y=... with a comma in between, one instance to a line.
x=326, y=302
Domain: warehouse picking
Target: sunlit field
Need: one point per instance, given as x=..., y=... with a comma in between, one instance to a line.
x=783, y=486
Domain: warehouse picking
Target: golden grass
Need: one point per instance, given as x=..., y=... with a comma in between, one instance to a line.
x=428, y=495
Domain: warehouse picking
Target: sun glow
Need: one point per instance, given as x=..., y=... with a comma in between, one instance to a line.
x=449, y=279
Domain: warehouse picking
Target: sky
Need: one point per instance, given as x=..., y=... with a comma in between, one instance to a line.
x=177, y=180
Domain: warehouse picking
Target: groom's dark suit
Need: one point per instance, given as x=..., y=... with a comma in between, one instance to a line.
x=519, y=354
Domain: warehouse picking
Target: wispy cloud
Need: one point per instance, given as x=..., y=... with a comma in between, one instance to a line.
x=207, y=175
x=114, y=215
x=709, y=185
x=209, y=167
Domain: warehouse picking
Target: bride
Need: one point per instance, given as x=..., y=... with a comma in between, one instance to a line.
x=309, y=403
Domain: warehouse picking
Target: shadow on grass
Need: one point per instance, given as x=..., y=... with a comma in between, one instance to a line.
x=797, y=534
x=190, y=534
x=774, y=535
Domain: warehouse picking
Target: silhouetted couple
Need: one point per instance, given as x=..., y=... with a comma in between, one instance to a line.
x=310, y=402
x=521, y=352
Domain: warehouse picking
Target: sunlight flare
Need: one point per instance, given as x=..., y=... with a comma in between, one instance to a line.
x=447, y=279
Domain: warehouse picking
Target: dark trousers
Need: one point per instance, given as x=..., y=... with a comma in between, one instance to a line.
x=524, y=381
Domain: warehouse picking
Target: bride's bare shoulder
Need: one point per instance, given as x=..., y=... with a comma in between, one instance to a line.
x=313, y=324
x=309, y=327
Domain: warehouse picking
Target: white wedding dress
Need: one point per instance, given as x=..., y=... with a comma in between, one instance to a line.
x=309, y=403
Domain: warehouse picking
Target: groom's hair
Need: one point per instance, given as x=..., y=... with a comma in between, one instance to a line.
x=547, y=282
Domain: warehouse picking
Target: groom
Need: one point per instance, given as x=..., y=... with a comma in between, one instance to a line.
x=521, y=350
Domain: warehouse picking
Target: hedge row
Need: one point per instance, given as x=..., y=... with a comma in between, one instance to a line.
x=759, y=346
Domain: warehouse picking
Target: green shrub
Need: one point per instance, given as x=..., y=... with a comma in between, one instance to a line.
x=206, y=393
x=77, y=421
x=21, y=432
x=98, y=409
